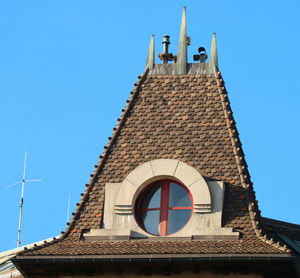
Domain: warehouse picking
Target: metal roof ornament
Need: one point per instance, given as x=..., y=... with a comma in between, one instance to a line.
x=182, y=48
x=179, y=63
x=213, y=60
x=151, y=54
x=166, y=56
x=202, y=56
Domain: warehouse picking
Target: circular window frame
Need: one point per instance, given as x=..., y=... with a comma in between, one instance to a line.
x=146, y=188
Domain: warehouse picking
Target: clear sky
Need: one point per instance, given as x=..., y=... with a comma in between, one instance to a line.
x=66, y=70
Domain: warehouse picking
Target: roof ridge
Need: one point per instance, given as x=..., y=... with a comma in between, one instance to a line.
x=244, y=174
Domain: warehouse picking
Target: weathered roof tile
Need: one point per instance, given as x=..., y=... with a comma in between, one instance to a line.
x=185, y=117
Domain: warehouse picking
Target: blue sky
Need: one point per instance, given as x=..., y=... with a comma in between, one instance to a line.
x=66, y=70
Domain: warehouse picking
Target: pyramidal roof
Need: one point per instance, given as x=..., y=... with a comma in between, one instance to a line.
x=180, y=112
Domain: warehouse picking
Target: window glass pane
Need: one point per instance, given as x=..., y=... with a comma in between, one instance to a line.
x=151, y=197
x=177, y=219
x=179, y=197
x=150, y=221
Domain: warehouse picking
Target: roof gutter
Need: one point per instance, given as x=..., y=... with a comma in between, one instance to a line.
x=192, y=258
x=155, y=258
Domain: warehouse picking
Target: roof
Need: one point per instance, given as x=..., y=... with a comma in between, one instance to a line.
x=7, y=269
x=186, y=117
x=286, y=233
x=176, y=111
x=288, y=229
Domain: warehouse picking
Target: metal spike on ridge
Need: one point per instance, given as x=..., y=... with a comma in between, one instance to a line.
x=213, y=60
x=182, y=48
x=151, y=54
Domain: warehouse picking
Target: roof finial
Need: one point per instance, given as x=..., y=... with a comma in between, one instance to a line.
x=213, y=60
x=151, y=55
x=182, y=49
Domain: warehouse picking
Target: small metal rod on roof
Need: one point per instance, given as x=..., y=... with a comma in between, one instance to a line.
x=166, y=56
x=22, y=197
x=166, y=42
x=21, y=202
x=68, y=210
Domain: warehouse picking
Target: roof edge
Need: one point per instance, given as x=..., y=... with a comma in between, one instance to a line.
x=99, y=166
x=245, y=178
x=116, y=131
x=189, y=257
x=280, y=223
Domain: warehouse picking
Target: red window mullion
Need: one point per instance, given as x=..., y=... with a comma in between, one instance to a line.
x=164, y=209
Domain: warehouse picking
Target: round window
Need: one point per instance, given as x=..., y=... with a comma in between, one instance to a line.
x=163, y=208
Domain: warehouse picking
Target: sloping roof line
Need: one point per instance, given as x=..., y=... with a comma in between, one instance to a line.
x=116, y=131
x=237, y=149
x=7, y=255
x=101, y=162
x=7, y=268
x=105, y=153
x=254, y=212
x=281, y=224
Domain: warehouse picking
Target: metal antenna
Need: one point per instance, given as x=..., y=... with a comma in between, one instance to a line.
x=22, y=194
x=68, y=210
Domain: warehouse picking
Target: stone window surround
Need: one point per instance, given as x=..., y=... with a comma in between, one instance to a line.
x=119, y=220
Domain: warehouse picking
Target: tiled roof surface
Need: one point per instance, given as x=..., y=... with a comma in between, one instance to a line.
x=139, y=247
x=288, y=229
x=188, y=118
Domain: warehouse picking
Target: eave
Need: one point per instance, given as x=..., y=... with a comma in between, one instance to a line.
x=36, y=266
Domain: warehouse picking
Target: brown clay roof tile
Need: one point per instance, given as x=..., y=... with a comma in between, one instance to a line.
x=181, y=117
